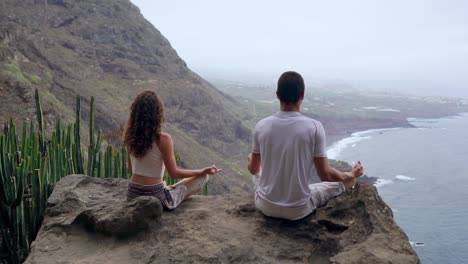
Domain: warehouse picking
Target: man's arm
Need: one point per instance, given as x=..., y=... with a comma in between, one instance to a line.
x=327, y=173
x=253, y=163
x=253, y=159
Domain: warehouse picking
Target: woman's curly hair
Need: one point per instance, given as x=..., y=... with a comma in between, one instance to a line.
x=144, y=124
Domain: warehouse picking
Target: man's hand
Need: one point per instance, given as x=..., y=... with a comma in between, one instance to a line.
x=357, y=170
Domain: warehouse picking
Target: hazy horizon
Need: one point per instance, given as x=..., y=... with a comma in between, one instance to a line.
x=415, y=47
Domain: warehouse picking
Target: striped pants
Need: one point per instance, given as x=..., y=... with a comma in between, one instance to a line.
x=170, y=196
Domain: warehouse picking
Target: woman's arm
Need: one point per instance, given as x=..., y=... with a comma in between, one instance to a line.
x=167, y=150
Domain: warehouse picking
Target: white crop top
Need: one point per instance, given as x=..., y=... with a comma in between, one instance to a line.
x=150, y=165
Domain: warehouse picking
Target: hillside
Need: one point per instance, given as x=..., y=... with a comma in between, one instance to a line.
x=106, y=49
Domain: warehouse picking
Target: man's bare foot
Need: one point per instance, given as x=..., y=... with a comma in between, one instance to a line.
x=349, y=184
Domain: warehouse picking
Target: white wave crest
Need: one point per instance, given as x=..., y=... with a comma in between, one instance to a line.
x=339, y=146
x=416, y=244
x=381, y=182
x=372, y=131
x=404, y=178
x=388, y=110
x=370, y=107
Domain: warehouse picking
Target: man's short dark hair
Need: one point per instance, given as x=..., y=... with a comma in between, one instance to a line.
x=290, y=87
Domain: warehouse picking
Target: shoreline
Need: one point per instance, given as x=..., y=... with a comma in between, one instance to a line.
x=337, y=129
x=351, y=139
x=407, y=187
x=335, y=148
x=335, y=138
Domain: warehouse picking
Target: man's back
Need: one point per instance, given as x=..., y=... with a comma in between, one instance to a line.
x=287, y=143
x=286, y=147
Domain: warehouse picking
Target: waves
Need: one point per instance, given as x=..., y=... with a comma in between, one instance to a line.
x=416, y=244
x=411, y=185
x=381, y=182
x=338, y=147
x=402, y=178
x=379, y=109
x=335, y=150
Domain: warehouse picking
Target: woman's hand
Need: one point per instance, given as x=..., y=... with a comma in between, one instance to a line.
x=211, y=170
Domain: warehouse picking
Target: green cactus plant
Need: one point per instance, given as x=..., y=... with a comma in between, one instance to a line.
x=31, y=164
x=40, y=121
x=78, y=156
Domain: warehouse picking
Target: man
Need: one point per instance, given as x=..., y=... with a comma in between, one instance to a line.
x=286, y=148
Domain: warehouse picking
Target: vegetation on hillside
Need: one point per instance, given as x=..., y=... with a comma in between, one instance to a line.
x=331, y=103
x=30, y=165
x=33, y=163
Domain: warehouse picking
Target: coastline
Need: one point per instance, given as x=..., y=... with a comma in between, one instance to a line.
x=335, y=149
x=341, y=142
x=411, y=181
x=336, y=134
x=339, y=129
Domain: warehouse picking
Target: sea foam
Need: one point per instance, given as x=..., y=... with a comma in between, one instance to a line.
x=381, y=182
x=416, y=244
x=404, y=178
x=339, y=146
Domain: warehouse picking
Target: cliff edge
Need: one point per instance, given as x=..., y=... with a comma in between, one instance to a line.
x=89, y=221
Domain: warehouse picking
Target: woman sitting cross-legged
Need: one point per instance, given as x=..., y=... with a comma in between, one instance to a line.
x=150, y=151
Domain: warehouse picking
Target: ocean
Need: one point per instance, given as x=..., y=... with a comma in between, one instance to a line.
x=423, y=177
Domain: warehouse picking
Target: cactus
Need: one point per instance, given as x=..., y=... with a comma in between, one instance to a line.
x=91, y=122
x=125, y=173
x=78, y=157
x=31, y=166
x=40, y=121
x=117, y=171
x=108, y=162
x=91, y=148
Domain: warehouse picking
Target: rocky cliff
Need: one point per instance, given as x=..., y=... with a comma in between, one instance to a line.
x=106, y=49
x=89, y=221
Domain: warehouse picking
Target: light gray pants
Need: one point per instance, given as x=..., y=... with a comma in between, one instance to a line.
x=322, y=192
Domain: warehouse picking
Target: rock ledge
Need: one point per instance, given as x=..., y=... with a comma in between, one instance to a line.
x=90, y=221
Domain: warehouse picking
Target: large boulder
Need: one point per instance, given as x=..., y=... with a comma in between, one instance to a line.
x=90, y=221
x=100, y=205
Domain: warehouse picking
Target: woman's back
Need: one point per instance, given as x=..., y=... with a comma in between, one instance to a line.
x=150, y=151
x=150, y=165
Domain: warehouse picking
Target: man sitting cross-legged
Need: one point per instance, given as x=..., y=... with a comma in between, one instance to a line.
x=286, y=148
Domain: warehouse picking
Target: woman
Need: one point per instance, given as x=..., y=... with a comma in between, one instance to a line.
x=150, y=151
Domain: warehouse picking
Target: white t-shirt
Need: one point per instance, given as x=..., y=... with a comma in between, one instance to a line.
x=287, y=143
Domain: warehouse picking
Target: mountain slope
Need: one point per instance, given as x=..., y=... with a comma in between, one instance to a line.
x=106, y=49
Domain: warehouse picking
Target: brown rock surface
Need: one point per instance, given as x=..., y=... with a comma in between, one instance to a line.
x=357, y=227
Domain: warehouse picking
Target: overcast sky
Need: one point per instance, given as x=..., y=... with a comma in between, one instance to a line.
x=419, y=46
